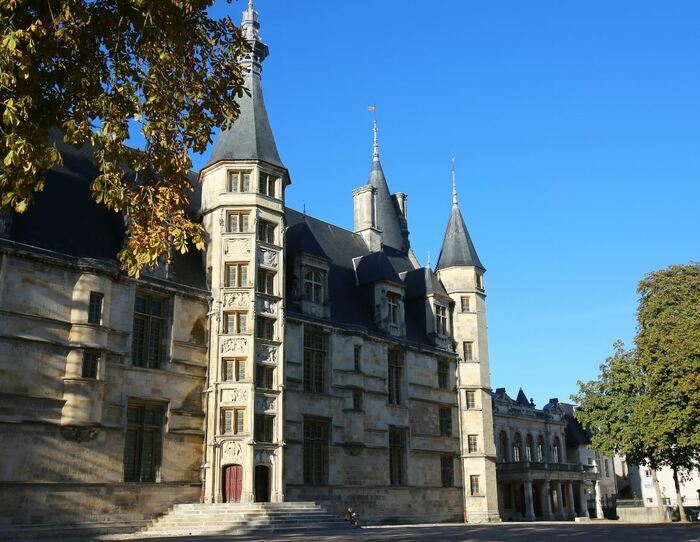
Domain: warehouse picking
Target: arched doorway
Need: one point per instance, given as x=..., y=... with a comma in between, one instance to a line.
x=262, y=483
x=233, y=483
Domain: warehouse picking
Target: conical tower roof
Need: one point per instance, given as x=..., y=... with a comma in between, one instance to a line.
x=457, y=247
x=250, y=136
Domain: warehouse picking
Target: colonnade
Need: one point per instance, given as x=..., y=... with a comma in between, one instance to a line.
x=542, y=499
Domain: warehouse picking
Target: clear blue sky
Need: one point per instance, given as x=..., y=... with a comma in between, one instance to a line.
x=576, y=127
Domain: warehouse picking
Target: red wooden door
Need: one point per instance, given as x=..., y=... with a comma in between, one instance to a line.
x=233, y=483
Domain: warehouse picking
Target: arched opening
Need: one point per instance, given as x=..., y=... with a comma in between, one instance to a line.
x=540, y=449
x=233, y=483
x=517, y=446
x=529, y=451
x=556, y=451
x=503, y=447
x=262, y=483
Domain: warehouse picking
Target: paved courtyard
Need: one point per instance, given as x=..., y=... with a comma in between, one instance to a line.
x=531, y=532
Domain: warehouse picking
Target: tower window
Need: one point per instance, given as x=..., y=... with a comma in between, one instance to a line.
x=358, y=358
x=443, y=373
x=395, y=376
x=236, y=322
x=264, y=377
x=447, y=471
x=397, y=456
x=474, y=484
x=234, y=370
x=314, y=361
x=266, y=232
x=472, y=444
x=239, y=181
x=266, y=281
x=480, y=281
x=148, y=332
x=264, y=427
x=313, y=285
x=316, y=437
x=468, y=351
x=90, y=361
x=441, y=319
x=237, y=222
x=445, y=415
x=265, y=328
x=142, y=442
x=236, y=275
x=268, y=185
x=466, y=304
x=234, y=421
x=471, y=400
x=95, y=308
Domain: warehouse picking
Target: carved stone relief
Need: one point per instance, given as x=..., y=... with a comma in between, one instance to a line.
x=266, y=353
x=238, y=345
x=238, y=245
x=264, y=457
x=231, y=453
x=235, y=395
x=268, y=257
x=263, y=404
x=267, y=306
x=236, y=299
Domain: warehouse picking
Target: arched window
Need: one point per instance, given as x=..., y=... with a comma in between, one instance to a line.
x=556, y=451
x=517, y=444
x=503, y=447
x=313, y=286
x=529, y=445
x=540, y=449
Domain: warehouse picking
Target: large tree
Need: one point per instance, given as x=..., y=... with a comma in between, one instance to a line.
x=645, y=403
x=93, y=70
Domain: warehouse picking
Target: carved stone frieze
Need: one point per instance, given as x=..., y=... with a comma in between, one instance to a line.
x=266, y=353
x=237, y=345
x=237, y=246
x=267, y=306
x=264, y=404
x=236, y=299
x=231, y=452
x=267, y=257
x=264, y=457
x=235, y=395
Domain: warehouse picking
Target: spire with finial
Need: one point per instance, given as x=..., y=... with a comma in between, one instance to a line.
x=454, y=183
x=428, y=266
x=375, y=152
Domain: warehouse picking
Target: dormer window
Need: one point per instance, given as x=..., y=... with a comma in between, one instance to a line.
x=441, y=319
x=313, y=285
x=268, y=185
x=393, y=302
x=239, y=181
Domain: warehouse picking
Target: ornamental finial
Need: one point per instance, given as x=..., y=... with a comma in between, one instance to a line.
x=454, y=183
x=375, y=153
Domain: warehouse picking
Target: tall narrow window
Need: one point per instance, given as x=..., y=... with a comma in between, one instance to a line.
x=316, y=436
x=471, y=399
x=441, y=319
x=90, y=361
x=447, y=471
x=466, y=305
x=234, y=370
x=265, y=328
x=142, y=442
x=445, y=416
x=443, y=373
x=517, y=444
x=357, y=358
x=148, y=337
x=397, y=456
x=540, y=449
x=474, y=484
x=528, y=448
x=239, y=181
x=314, y=361
x=357, y=399
x=236, y=322
x=313, y=285
x=556, y=451
x=266, y=281
x=234, y=421
x=503, y=447
x=395, y=377
x=237, y=222
x=264, y=377
x=268, y=185
x=480, y=281
x=95, y=308
x=472, y=443
x=266, y=232
x=264, y=427
x=468, y=351
x=236, y=275
x=393, y=302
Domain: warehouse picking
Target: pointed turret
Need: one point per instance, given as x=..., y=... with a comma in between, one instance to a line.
x=250, y=136
x=457, y=247
x=387, y=216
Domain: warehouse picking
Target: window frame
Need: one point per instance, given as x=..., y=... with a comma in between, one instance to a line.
x=145, y=358
x=357, y=400
x=264, y=375
x=473, y=443
x=441, y=325
x=445, y=421
x=465, y=303
x=95, y=308
x=315, y=352
x=471, y=405
x=468, y=350
x=240, y=277
x=314, y=285
x=395, y=370
x=240, y=322
x=239, y=216
x=398, y=449
x=265, y=328
x=443, y=374
x=266, y=281
x=393, y=302
x=265, y=181
x=241, y=183
x=474, y=485
x=141, y=427
x=90, y=366
x=264, y=428
x=235, y=365
x=447, y=470
x=266, y=232
x=236, y=425
x=316, y=436
x=357, y=358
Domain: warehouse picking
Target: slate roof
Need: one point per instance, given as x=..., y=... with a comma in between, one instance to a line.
x=576, y=435
x=457, y=247
x=65, y=219
x=387, y=214
x=351, y=305
x=422, y=282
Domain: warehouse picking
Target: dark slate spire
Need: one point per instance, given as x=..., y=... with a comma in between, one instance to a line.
x=387, y=217
x=457, y=247
x=250, y=137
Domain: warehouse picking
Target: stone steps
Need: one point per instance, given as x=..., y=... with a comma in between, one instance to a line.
x=242, y=518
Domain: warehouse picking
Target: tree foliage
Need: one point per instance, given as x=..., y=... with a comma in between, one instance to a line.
x=645, y=403
x=96, y=68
